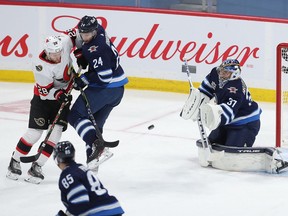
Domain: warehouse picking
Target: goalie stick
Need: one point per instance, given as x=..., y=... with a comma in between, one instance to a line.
x=209, y=155
x=32, y=158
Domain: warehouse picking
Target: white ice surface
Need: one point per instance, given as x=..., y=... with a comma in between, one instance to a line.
x=153, y=172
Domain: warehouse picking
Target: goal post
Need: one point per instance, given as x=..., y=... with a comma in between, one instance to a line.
x=282, y=94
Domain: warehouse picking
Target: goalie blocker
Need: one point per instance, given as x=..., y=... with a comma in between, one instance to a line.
x=244, y=159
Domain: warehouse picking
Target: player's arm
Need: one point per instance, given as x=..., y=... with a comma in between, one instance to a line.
x=43, y=83
x=74, y=194
x=72, y=34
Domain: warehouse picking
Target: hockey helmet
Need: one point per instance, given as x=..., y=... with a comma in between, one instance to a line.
x=53, y=44
x=64, y=152
x=88, y=24
x=232, y=66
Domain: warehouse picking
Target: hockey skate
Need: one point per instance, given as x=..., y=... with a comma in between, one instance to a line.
x=35, y=174
x=102, y=155
x=281, y=165
x=14, y=169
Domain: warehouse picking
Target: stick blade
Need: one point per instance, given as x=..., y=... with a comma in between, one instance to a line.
x=111, y=144
x=30, y=159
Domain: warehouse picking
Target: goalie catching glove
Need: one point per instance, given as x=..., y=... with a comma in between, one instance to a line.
x=211, y=115
x=191, y=107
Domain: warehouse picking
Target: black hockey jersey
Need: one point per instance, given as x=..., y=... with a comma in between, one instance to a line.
x=234, y=98
x=103, y=59
x=83, y=194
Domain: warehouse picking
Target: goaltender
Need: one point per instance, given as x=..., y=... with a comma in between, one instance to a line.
x=234, y=120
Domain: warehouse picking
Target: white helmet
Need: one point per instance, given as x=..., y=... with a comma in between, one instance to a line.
x=53, y=44
x=232, y=66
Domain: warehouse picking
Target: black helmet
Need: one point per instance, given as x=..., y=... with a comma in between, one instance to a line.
x=87, y=24
x=64, y=152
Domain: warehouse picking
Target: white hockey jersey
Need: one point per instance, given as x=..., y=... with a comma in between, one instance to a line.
x=50, y=76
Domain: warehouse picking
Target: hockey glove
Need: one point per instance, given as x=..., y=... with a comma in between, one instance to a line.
x=62, y=97
x=80, y=82
x=191, y=107
x=81, y=61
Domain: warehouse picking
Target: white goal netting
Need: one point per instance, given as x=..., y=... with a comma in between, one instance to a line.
x=282, y=95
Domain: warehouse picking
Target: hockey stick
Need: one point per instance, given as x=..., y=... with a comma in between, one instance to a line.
x=102, y=142
x=32, y=158
x=209, y=154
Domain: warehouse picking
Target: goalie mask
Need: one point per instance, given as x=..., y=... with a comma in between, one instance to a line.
x=229, y=70
x=64, y=152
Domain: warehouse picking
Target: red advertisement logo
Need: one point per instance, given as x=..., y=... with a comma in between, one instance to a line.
x=9, y=47
x=149, y=46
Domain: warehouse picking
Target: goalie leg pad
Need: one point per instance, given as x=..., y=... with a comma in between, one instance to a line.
x=247, y=159
x=191, y=107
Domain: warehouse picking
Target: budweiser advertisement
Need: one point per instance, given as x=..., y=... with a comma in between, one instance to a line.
x=153, y=43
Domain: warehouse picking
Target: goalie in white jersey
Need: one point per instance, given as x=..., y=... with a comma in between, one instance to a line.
x=52, y=72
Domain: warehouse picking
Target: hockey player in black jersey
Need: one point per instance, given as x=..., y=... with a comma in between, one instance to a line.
x=105, y=80
x=234, y=118
x=82, y=193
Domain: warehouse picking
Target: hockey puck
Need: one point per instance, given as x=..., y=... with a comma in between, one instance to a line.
x=151, y=127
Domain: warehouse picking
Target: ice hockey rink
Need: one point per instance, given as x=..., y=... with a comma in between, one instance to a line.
x=153, y=172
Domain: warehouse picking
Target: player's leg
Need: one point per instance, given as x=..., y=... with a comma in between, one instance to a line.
x=23, y=147
x=78, y=116
x=242, y=136
x=79, y=120
x=252, y=131
x=112, y=98
x=37, y=123
x=218, y=136
x=35, y=174
x=56, y=133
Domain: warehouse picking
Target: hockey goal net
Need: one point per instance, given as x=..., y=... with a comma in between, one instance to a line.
x=282, y=95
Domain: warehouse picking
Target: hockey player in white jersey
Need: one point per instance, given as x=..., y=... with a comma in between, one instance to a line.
x=53, y=73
